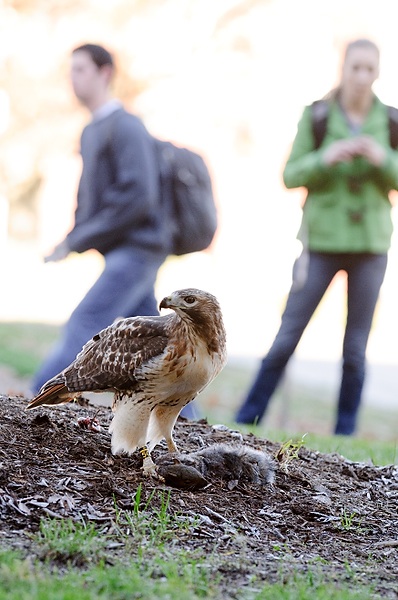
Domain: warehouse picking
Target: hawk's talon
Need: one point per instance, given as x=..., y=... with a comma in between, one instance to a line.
x=149, y=469
x=145, y=453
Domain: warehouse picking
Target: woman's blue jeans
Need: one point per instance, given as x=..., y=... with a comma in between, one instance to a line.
x=365, y=274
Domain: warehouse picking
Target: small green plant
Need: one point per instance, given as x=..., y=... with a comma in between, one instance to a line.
x=288, y=452
x=151, y=520
x=346, y=519
x=349, y=520
x=67, y=541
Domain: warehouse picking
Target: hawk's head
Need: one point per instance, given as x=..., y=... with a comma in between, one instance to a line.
x=190, y=301
x=199, y=308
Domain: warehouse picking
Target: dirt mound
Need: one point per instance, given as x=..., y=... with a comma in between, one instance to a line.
x=320, y=508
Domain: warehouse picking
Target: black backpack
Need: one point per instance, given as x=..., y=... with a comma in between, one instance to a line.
x=187, y=198
x=320, y=110
x=187, y=208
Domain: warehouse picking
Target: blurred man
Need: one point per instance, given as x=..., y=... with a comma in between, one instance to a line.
x=117, y=212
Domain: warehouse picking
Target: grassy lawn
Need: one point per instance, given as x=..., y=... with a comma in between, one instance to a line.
x=77, y=560
x=24, y=345
x=179, y=576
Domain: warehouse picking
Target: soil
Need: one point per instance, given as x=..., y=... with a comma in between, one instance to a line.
x=322, y=511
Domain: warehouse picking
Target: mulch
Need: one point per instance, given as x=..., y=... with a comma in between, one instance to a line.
x=321, y=510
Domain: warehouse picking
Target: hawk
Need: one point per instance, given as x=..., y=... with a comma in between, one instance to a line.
x=154, y=365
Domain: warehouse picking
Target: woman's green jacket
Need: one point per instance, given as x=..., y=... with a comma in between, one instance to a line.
x=347, y=208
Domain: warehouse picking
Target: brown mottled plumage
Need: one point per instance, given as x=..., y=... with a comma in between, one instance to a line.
x=154, y=365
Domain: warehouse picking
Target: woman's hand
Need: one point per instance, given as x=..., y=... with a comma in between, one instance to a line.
x=346, y=150
x=341, y=151
x=371, y=150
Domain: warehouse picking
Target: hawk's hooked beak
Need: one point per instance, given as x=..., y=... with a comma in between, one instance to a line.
x=166, y=303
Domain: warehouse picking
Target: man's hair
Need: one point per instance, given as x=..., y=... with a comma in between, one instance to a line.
x=98, y=54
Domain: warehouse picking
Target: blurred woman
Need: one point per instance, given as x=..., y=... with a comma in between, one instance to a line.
x=346, y=225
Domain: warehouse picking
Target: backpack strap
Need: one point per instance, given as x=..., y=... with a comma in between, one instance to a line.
x=393, y=126
x=320, y=109
x=319, y=113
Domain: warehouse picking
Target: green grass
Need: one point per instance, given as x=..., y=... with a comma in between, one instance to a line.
x=376, y=452
x=177, y=576
x=152, y=523
x=69, y=542
x=310, y=586
x=24, y=345
x=78, y=559
x=180, y=576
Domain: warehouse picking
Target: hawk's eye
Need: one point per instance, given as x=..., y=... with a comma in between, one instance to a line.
x=190, y=299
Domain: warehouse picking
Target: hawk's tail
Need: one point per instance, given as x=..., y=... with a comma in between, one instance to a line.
x=57, y=393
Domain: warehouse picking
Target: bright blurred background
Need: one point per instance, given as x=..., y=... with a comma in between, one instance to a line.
x=228, y=78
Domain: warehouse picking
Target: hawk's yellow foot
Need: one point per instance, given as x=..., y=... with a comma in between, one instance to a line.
x=149, y=468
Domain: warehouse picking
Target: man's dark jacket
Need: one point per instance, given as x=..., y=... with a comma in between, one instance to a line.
x=118, y=195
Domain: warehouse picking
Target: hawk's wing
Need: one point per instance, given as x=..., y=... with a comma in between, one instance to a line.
x=112, y=358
